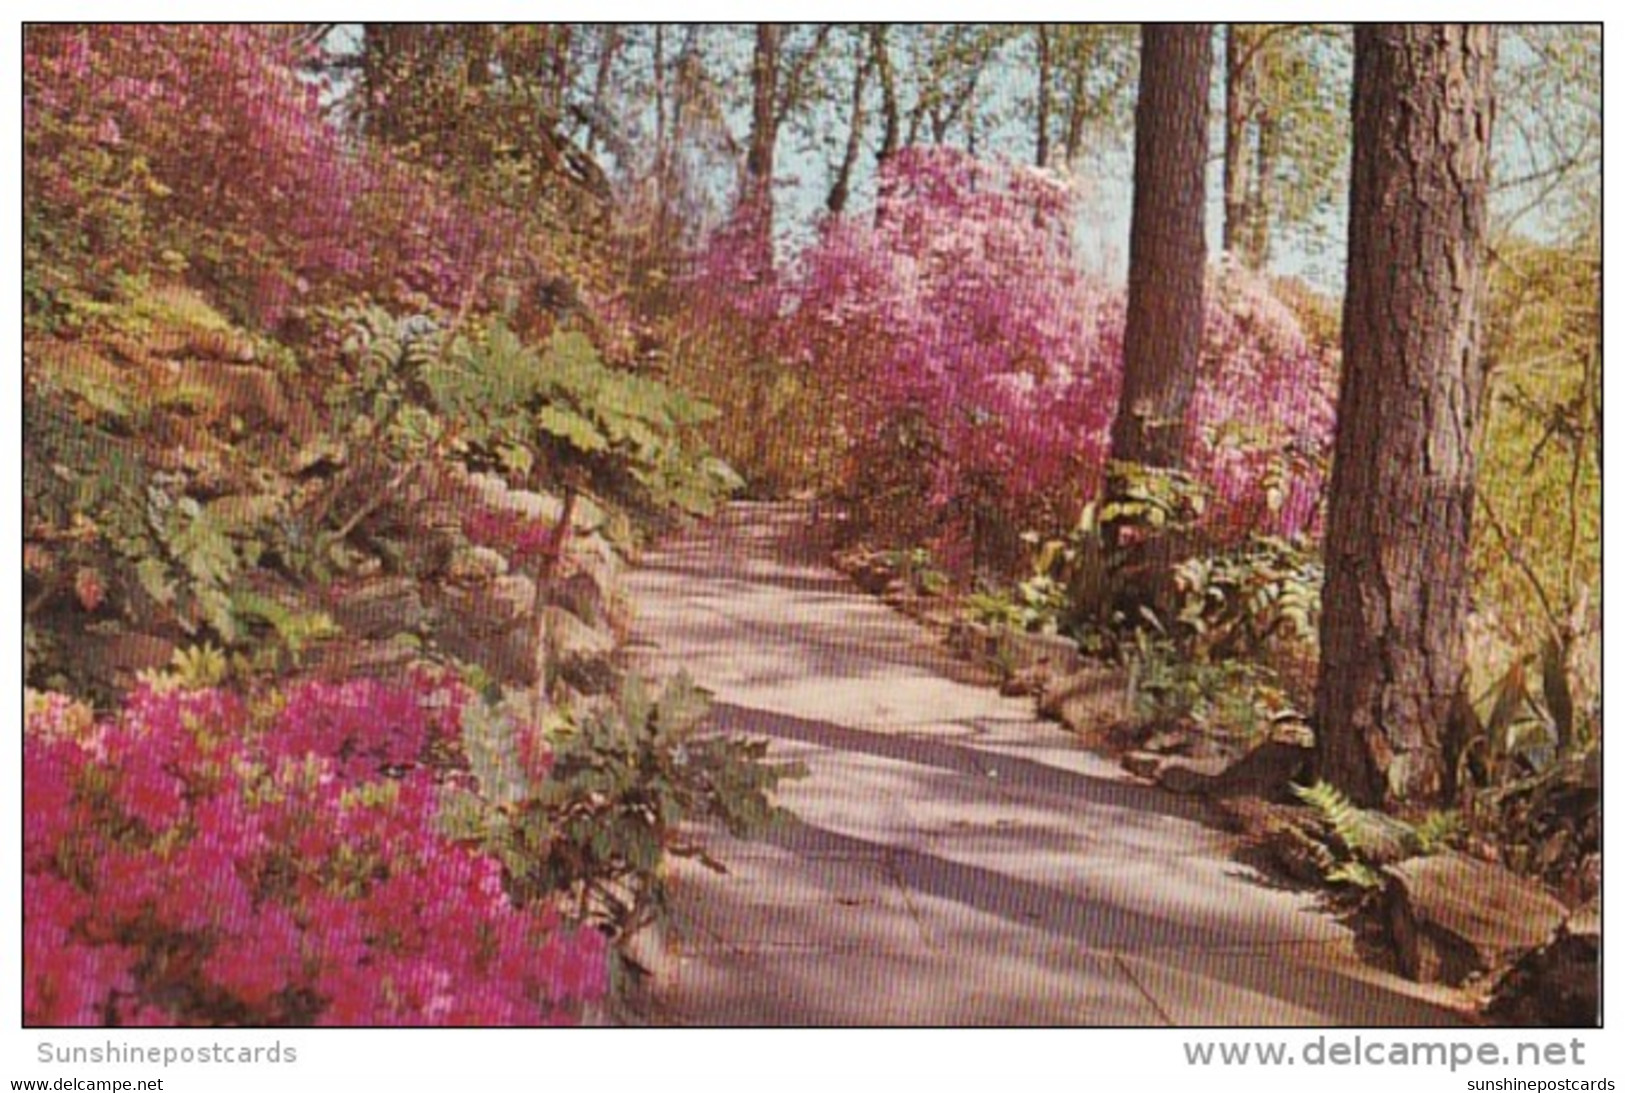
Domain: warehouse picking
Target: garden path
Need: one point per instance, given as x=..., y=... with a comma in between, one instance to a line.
x=956, y=861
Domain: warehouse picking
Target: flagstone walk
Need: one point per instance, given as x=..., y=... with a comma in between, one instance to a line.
x=956, y=861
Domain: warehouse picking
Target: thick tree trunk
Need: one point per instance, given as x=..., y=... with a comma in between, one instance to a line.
x=1167, y=247
x=1402, y=479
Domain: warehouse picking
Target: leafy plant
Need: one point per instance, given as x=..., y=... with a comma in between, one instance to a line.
x=1236, y=602
x=1357, y=842
x=194, y=668
x=1231, y=698
x=1528, y=765
x=593, y=803
x=917, y=569
x=1521, y=726
x=621, y=436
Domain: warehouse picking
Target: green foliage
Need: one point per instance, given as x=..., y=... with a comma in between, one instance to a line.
x=594, y=803
x=1235, y=603
x=1237, y=699
x=1526, y=754
x=1150, y=499
x=918, y=569
x=1537, y=552
x=1524, y=722
x=1357, y=842
x=623, y=437
x=194, y=668
x=1034, y=605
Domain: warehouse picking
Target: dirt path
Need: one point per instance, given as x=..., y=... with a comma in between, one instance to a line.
x=956, y=861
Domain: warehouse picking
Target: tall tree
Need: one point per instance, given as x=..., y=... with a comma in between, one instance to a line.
x=1045, y=68
x=1285, y=132
x=757, y=198
x=1402, y=478
x=1167, y=245
x=891, y=135
x=863, y=63
x=1238, y=103
x=781, y=80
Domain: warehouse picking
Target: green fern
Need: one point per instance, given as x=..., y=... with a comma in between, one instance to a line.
x=1365, y=840
x=1362, y=832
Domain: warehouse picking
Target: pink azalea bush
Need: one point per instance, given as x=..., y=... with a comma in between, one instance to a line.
x=958, y=308
x=201, y=147
x=201, y=860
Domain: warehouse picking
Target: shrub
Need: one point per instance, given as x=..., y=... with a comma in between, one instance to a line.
x=201, y=148
x=202, y=860
x=971, y=369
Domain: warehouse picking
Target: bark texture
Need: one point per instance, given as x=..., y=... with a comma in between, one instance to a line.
x=1402, y=482
x=1167, y=244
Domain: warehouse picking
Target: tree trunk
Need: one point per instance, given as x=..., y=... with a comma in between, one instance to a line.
x=891, y=112
x=609, y=47
x=1261, y=210
x=1238, y=106
x=1041, y=156
x=1076, y=116
x=764, y=135
x=842, y=189
x=1402, y=479
x=559, y=38
x=1167, y=247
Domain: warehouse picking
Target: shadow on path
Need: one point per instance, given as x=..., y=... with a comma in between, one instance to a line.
x=955, y=861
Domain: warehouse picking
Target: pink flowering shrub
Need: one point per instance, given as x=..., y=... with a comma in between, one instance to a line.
x=972, y=369
x=200, y=147
x=203, y=861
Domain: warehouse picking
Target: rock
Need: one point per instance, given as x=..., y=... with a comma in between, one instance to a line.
x=476, y=565
x=650, y=949
x=489, y=625
x=245, y=391
x=975, y=641
x=1453, y=917
x=573, y=638
x=1276, y=837
x=492, y=491
x=1264, y=772
x=1179, y=774
x=1089, y=700
x=1144, y=764
x=378, y=608
x=1191, y=744
x=347, y=658
x=1014, y=652
x=1267, y=772
x=1030, y=682
x=581, y=652
x=593, y=556
x=1558, y=985
x=580, y=595
x=872, y=578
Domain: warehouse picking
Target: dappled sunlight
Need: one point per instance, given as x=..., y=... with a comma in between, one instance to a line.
x=952, y=860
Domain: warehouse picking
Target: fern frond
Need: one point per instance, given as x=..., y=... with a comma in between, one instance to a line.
x=1364, y=833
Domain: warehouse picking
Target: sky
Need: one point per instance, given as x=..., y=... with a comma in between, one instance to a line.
x=1102, y=176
